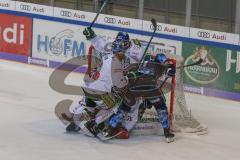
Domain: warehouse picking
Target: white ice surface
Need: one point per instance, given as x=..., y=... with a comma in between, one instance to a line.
x=29, y=129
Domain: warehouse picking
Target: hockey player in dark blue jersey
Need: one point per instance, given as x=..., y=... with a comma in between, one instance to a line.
x=157, y=101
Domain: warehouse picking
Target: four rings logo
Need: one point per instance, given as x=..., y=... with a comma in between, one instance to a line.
x=110, y=20
x=25, y=7
x=159, y=27
x=203, y=34
x=66, y=13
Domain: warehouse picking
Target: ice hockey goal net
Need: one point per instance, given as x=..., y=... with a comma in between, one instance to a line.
x=180, y=114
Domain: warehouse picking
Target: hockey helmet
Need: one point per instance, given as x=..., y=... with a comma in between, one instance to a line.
x=161, y=58
x=121, y=43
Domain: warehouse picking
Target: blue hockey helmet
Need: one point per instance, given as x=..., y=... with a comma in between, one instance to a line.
x=121, y=43
x=160, y=58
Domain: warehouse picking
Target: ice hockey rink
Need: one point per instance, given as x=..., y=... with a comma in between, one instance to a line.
x=30, y=129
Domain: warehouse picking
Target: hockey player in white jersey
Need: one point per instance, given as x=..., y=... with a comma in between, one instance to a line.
x=113, y=64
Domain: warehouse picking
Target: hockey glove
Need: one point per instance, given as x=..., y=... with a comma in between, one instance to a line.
x=116, y=91
x=89, y=33
x=94, y=74
x=132, y=75
x=171, y=70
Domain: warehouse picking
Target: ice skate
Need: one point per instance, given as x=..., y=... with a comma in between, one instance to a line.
x=72, y=127
x=168, y=135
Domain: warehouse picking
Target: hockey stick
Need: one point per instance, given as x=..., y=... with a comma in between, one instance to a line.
x=98, y=13
x=193, y=64
x=202, y=57
x=154, y=23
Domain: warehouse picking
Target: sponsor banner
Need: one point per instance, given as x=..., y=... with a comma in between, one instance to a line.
x=159, y=45
x=34, y=8
x=37, y=61
x=120, y=22
x=220, y=69
x=58, y=41
x=73, y=14
x=193, y=89
x=6, y=4
x=214, y=36
x=15, y=34
x=150, y=128
x=167, y=29
x=212, y=92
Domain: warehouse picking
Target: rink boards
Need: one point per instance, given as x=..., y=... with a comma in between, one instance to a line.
x=48, y=36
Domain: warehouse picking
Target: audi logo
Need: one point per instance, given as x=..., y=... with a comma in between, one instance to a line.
x=159, y=27
x=66, y=13
x=203, y=34
x=110, y=20
x=25, y=7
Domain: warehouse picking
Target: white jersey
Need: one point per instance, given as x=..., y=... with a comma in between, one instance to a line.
x=133, y=54
x=112, y=69
x=111, y=72
x=104, y=82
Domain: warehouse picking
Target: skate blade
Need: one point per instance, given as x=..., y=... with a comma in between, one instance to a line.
x=101, y=137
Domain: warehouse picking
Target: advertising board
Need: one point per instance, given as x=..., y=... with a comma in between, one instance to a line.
x=16, y=34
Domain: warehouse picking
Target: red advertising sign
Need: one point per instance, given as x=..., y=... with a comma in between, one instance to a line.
x=15, y=34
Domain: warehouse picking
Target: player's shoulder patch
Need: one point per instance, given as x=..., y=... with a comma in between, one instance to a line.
x=137, y=42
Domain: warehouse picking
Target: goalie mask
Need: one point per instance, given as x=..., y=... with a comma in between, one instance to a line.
x=121, y=43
